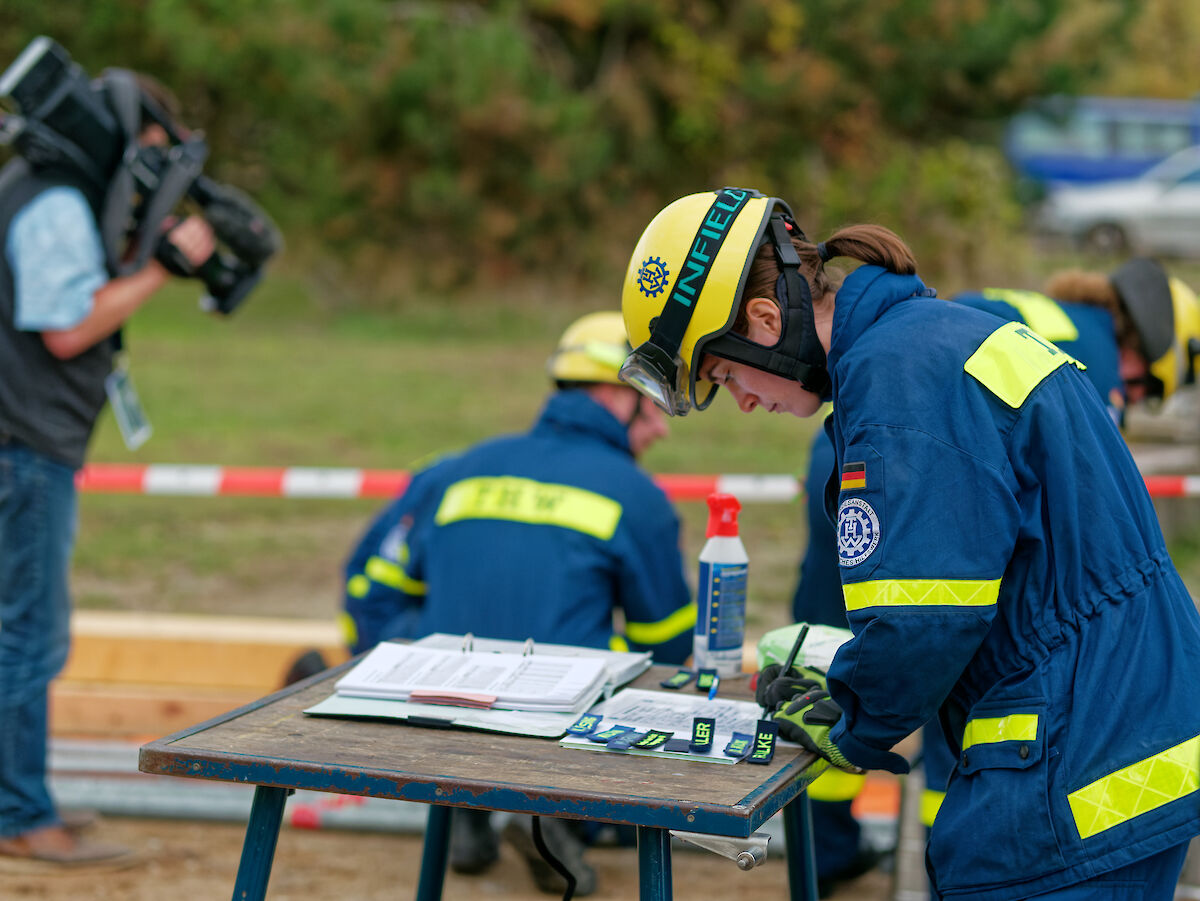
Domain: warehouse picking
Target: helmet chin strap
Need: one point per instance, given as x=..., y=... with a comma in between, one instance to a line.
x=798, y=354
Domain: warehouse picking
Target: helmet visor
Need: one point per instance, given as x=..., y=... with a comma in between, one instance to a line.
x=659, y=376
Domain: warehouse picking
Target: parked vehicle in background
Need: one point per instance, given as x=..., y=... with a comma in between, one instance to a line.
x=1058, y=140
x=1156, y=213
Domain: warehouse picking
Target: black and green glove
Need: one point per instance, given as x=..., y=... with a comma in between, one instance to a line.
x=774, y=686
x=807, y=721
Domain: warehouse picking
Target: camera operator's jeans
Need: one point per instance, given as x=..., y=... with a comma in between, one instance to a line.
x=37, y=531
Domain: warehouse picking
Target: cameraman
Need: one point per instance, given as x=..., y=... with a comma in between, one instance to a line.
x=60, y=320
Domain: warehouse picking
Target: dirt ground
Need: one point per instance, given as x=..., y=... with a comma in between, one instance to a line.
x=198, y=861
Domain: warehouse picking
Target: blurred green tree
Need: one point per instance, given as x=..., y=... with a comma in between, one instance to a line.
x=451, y=140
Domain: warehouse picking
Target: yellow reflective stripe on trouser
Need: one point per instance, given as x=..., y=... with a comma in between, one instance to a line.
x=1040, y=313
x=617, y=643
x=836, y=785
x=385, y=572
x=988, y=730
x=348, y=628
x=931, y=803
x=921, y=593
x=1013, y=360
x=682, y=620
x=1136, y=789
x=524, y=500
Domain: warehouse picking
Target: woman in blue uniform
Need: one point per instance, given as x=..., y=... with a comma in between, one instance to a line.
x=1001, y=562
x=1125, y=328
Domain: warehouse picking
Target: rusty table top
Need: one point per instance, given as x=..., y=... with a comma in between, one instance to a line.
x=272, y=742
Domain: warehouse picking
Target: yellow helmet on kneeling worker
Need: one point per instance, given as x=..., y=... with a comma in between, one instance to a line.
x=1166, y=316
x=683, y=289
x=591, y=350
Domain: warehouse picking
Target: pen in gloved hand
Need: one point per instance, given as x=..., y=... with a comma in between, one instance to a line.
x=791, y=657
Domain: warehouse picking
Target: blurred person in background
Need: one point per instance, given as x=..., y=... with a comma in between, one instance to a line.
x=1001, y=563
x=1138, y=332
x=61, y=314
x=543, y=535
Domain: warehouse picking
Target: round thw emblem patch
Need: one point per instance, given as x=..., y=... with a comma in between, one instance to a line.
x=857, y=531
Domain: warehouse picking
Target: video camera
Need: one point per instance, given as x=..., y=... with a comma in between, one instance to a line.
x=65, y=120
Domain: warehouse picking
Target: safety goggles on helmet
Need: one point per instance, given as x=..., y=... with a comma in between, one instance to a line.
x=660, y=376
x=699, y=251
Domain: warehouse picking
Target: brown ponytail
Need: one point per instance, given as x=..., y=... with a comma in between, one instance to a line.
x=872, y=244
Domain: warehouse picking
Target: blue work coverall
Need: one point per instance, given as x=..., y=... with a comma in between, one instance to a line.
x=540, y=535
x=1083, y=331
x=1003, y=569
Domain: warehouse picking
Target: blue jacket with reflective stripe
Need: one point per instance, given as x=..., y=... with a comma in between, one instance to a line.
x=540, y=535
x=1085, y=332
x=1003, y=568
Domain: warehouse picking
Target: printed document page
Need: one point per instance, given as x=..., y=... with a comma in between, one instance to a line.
x=512, y=681
x=623, y=666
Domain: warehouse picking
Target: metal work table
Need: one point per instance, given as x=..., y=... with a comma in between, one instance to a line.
x=274, y=746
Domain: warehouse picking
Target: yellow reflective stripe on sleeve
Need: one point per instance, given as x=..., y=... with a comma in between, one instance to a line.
x=989, y=730
x=348, y=629
x=385, y=572
x=524, y=500
x=1013, y=360
x=836, y=785
x=682, y=620
x=931, y=803
x=921, y=593
x=1040, y=313
x=358, y=586
x=617, y=643
x=1136, y=789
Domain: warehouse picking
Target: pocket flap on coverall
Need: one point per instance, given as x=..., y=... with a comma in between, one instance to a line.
x=1013, y=739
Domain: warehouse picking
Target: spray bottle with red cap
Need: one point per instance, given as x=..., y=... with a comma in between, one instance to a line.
x=721, y=592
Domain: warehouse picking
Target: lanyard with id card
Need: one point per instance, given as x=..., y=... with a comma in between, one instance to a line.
x=127, y=407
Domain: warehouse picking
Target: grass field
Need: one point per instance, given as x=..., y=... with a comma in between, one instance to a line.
x=284, y=382
x=289, y=381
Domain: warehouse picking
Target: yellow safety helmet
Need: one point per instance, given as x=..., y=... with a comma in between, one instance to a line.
x=1178, y=365
x=1166, y=315
x=683, y=290
x=592, y=349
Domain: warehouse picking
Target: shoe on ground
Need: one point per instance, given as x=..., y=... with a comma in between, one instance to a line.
x=77, y=821
x=59, y=847
x=862, y=863
x=563, y=844
x=307, y=664
x=473, y=843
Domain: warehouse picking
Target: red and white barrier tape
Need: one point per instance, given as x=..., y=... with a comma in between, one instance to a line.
x=319, y=482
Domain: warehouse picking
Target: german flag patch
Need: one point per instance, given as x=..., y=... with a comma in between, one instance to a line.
x=854, y=475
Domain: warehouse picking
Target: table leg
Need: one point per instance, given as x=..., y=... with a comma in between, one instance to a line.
x=258, y=850
x=433, y=856
x=802, y=862
x=654, y=863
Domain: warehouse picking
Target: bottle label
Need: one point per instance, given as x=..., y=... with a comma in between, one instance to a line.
x=722, y=615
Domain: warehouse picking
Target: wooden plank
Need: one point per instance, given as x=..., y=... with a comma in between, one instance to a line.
x=201, y=651
x=134, y=712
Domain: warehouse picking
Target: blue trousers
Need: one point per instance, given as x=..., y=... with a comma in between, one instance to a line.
x=37, y=533
x=1151, y=879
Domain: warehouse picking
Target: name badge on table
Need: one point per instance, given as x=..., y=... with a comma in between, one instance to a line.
x=131, y=418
